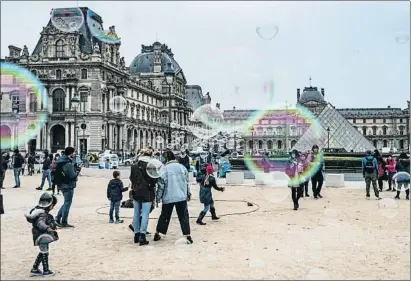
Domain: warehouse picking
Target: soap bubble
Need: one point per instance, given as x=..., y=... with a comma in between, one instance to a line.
x=154, y=168
x=181, y=241
x=208, y=115
x=388, y=207
x=118, y=104
x=317, y=274
x=275, y=186
x=402, y=180
x=267, y=32
x=402, y=37
x=96, y=29
x=67, y=19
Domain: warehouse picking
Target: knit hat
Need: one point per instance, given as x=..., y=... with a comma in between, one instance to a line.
x=209, y=169
x=69, y=150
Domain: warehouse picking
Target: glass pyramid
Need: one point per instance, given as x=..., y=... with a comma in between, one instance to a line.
x=342, y=134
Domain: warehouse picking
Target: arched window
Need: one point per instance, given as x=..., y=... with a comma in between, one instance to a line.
x=260, y=144
x=84, y=74
x=59, y=48
x=58, y=100
x=385, y=143
x=58, y=74
x=269, y=144
x=250, y=144
x=33, y=102
x=279, y=144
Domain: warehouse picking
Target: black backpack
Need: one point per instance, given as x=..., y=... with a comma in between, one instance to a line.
x=59, y=175
x=141, y=188
x=369, y=165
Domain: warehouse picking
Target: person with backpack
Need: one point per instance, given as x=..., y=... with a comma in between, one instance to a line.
x=207, y=182
x=44, y=232
x=46, y=171
x=174, y=191
x=53, y=166
x=18, y=161
x=65, y=177
x=370, y=173
x=143, y=193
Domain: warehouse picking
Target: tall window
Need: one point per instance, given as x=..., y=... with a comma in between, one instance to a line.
x=59, y=48
x=354, y=120
x=374, y=120
x=83, y=101
x=58, y=74
x=364, y=131
x=384, y=121
x=84, y=74
x=374, y=131
x=16, y=100
x=58, y=100
x=33, y=102
x=384, y=130
x=364, y=121
x=400, y=120
x=103, y=75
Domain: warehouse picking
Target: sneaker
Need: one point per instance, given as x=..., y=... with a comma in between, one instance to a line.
x=119, y=221
x=16, y=186
x=66, y=225
x=319, y=195
x=397, y=197
x=407, y=198
x=49, y=189
x=36, y=272
x=39, y=188
x=130, y=227
x=315, y=197
x=157, y=237
x=307, y=195
x=49, y=273
x=189, y=240
x=111, y=221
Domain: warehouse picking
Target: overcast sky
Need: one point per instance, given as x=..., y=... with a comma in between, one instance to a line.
x=348, y=48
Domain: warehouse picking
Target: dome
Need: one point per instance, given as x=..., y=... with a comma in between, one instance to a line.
x=144, y=62
x=311, y=94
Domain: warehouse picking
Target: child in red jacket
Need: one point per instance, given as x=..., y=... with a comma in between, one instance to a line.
x=391, y=164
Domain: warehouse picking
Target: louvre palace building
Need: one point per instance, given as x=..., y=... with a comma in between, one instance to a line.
x=76, y=64
x=344, y=129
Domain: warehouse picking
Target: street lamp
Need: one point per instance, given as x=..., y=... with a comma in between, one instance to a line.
x=75, y=101
x=15, y=110
x=328, y=138
x=252, y=140
x=169, y=74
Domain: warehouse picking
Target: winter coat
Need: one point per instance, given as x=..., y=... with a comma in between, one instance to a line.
x=41, y=221
x=403, y=166
x=115, y=189
x=70, y=178
x=391, y=165
x=293, y=170
x=18, y=160
x=173, y=185
x=206, y=186
x=143, y=186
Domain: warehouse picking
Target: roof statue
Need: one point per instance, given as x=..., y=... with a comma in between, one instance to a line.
x=207, y=98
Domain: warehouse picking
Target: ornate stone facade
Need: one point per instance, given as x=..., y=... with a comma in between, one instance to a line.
x=70, y=64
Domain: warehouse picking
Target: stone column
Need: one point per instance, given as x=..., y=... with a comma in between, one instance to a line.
x=67, y=100
x=28, y=101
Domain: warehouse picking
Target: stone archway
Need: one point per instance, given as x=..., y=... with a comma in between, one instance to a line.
x=5, y=135
x=57, y=137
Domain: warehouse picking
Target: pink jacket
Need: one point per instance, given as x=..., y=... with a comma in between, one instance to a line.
x=391, y=165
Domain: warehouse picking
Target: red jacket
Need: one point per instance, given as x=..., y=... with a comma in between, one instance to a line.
x=391, y=165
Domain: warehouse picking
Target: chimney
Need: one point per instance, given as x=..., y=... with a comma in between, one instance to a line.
x=322, y=92
x=14, y=52
x=157, y=57
x=233, y=107
x=298, y=95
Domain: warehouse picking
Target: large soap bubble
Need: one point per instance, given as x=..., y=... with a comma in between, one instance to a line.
x=403, y=181
x=267, y=32
x=155, y=168
x=209, y=116
x=67, y=19
x=96, y=29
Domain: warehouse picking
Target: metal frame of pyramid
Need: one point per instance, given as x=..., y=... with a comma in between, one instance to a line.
x=342, y=133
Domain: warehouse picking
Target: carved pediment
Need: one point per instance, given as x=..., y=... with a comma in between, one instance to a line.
x=50, y=29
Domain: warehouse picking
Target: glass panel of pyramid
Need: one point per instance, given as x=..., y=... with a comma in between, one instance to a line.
x=342, y=134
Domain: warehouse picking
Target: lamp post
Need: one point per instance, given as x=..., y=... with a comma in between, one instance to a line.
x=252, y=140
x=15, y=110
x=75, y=101
x=169, y=78
x=328, y=138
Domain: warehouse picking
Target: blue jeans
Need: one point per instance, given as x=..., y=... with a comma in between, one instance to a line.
x=63, y=213
x=46, y=173
x=17, y=176
x=115, y=206
x=143, y=209
x=207, y=207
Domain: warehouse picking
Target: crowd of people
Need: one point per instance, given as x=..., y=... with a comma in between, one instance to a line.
x=172, y=188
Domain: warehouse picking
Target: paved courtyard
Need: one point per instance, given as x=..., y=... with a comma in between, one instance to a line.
x=342, y=236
